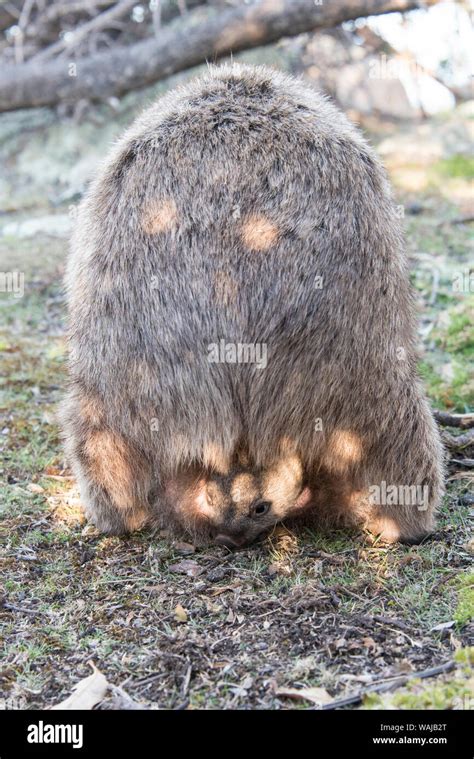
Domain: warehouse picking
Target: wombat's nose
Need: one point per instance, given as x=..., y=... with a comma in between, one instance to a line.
x=227, y=541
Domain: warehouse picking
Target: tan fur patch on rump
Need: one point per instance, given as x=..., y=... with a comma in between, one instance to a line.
x=258, y=232
x=344, y=450
x=160, y=216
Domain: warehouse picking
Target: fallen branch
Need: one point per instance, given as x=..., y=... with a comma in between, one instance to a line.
x=469, y=463
x=457, y=442
x=464, y=421
x=25, y=610
x=386, y=686
x=199, y=36
x=458, y=220
x=10, y=13
x=95, y=24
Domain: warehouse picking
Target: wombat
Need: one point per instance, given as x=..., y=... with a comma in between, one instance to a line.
x=241, y=324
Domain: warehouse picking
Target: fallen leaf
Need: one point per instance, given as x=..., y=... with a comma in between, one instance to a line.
x=54, y=470
x=87, y=693
x=155, y=588
x=33, y=487
x=187, y=567
x=184, y=548
x=214, y=575
x=317, y=696
x=403, y=667
x=455, y=642
x=121, y=700
x=180, y=614
x=443, y=626
x=223, y=589
x=284, y=541
x=469, y=547
x=332, y=558
x=230, y=617
x=279, y=568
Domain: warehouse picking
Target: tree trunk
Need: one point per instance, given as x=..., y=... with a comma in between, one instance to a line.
x=200, y=36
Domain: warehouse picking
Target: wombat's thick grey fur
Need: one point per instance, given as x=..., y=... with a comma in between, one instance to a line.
x=242, y=329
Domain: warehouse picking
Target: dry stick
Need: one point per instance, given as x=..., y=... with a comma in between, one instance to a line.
x=457, y=220
x=24, y=610
x=81, y=6
x=388, y=621
x=22, y=24
x=464, y=421
x=127, y=701
x=357, y=697
x=458, y=441
x=198, y=37
x=9, y=14
x=56, y=11
x=156, y=16
x=469, y=463
x=79, y=34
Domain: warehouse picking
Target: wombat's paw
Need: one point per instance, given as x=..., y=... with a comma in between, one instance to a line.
x=112, y=522
x=417, y=539
x=388, y=529
x=106, y=525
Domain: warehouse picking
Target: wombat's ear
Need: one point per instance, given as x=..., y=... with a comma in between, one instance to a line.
x=188, y=495
x=199, y=502
x=206, y=498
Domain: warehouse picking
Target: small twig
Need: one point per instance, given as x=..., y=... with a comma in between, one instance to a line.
x=126, y=701
x=469, y=463
x=186, y=680
x=98, y=22
x=24, y=610
x=385, y=686
x=435, y=286
x=68, y=8
x=458, y=441
x=155, y=6
x=464, y=421
x=388, y=621
x=22, y=24
x=145, y=680
x=458, y=220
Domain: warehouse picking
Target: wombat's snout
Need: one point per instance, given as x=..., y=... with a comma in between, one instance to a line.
x=229, y=542
x=236, y=536
x=236, y=541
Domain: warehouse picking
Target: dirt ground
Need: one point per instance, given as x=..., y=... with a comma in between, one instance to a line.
x=173, y=627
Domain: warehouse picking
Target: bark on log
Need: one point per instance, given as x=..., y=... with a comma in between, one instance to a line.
x=202, y=35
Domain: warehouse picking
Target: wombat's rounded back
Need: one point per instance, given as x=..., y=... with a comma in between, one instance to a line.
x=241, y=208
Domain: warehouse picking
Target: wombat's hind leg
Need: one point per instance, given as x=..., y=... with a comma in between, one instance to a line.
x=403, y=501
x=114, y=476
